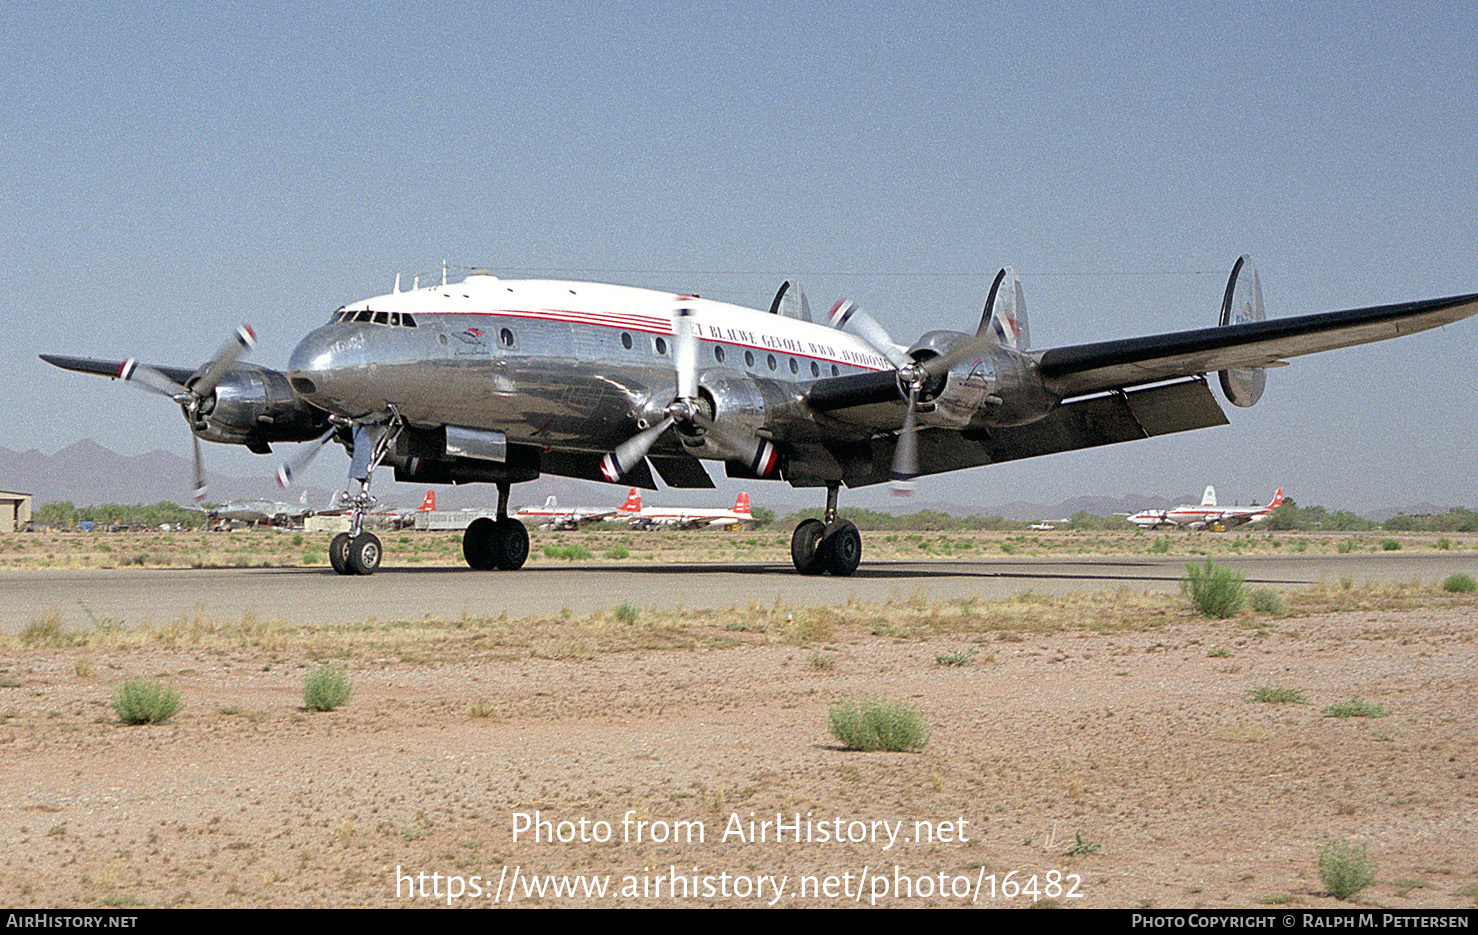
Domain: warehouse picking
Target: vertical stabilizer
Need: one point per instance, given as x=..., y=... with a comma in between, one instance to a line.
x=1209, y=497
x=633, y=502
x=1005, y=312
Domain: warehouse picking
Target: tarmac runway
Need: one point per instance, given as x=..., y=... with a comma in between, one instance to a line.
x=316, y=596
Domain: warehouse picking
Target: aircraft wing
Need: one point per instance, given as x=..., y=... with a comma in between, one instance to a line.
x=1090, y=368
x=1080, y=423
x=110, y=368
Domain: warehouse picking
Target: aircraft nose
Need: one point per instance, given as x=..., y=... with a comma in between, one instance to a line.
x=320, y=357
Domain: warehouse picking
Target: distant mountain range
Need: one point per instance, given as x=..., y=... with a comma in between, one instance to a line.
x=87, y=473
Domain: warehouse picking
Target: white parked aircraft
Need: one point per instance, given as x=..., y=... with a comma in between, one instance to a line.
x=688, y=517
x=495, y=381
x=553, y=516
x=1208, y=515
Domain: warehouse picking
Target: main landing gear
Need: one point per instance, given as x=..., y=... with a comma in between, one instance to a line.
x=496, y=544
x=833, y=546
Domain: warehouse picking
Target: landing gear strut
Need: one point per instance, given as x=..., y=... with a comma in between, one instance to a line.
x=357, y=552
x=833, y=546
x=496, y=544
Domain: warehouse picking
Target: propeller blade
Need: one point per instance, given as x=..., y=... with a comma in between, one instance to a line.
x=148, y=378
x=906, y=454
x=200, y=486
x=300, y=463
x=243, y=340
x=685, y=352
x=614, y=465
x=848, y=316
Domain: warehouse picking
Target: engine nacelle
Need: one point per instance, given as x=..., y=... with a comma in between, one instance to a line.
x=997, y=387
x=255, y=406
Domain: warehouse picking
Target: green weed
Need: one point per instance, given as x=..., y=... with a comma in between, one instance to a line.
x=1459, y=583
x=1082, y=844
x=957, y=658
x=1215, y=591
x=878, y=725
x=145, y=701
x=1268, y=601
x=1355, y=707
x=1346, y=868
x=1269, y=694
x=326, y=688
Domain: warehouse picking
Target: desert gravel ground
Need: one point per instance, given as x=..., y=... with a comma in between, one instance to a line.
x=1119, y=769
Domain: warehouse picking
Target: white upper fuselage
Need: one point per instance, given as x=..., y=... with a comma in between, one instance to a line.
x=547, y=361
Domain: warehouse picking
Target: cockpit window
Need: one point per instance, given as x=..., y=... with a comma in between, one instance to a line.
x=371, y=317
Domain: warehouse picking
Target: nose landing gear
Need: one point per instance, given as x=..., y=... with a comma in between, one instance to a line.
x=357, y=552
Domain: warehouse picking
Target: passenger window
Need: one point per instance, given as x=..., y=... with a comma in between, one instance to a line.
x=770, y=359
x=718, y=353
x=626, y=340
x=505, y=337
x=661, y=346
x=749, y=358
x=815, y=370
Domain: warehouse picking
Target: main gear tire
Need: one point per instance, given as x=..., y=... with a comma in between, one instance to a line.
x=807, y=547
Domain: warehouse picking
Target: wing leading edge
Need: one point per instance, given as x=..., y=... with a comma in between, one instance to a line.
x=1091, y=368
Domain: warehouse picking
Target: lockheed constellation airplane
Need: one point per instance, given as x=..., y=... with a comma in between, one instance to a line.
x=1208, y=515
x=688, y=517
x=553, y=516
x=496, y=381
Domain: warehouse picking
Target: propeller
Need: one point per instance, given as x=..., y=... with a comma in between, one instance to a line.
x=848, y=316
x=682, y=408
x=302, y=459
x=192, y=395
x=761, y=456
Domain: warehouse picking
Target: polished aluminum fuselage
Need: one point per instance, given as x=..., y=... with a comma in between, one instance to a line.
x=561, y=364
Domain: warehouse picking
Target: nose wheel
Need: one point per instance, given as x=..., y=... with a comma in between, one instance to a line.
x=834, y=546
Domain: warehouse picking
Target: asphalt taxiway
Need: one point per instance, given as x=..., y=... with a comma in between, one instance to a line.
x=316, y=596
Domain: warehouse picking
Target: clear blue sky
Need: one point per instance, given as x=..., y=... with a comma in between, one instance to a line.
x=171, y=170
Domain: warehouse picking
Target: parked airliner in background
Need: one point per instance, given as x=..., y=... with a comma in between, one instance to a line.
x=683, y=517
x=497, y=381
x=256, y=513
x=553, y=516
x=1208, y=515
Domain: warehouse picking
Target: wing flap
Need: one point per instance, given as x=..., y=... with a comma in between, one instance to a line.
x=681, y=472
x=1091, y=368
x=1087, y=422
